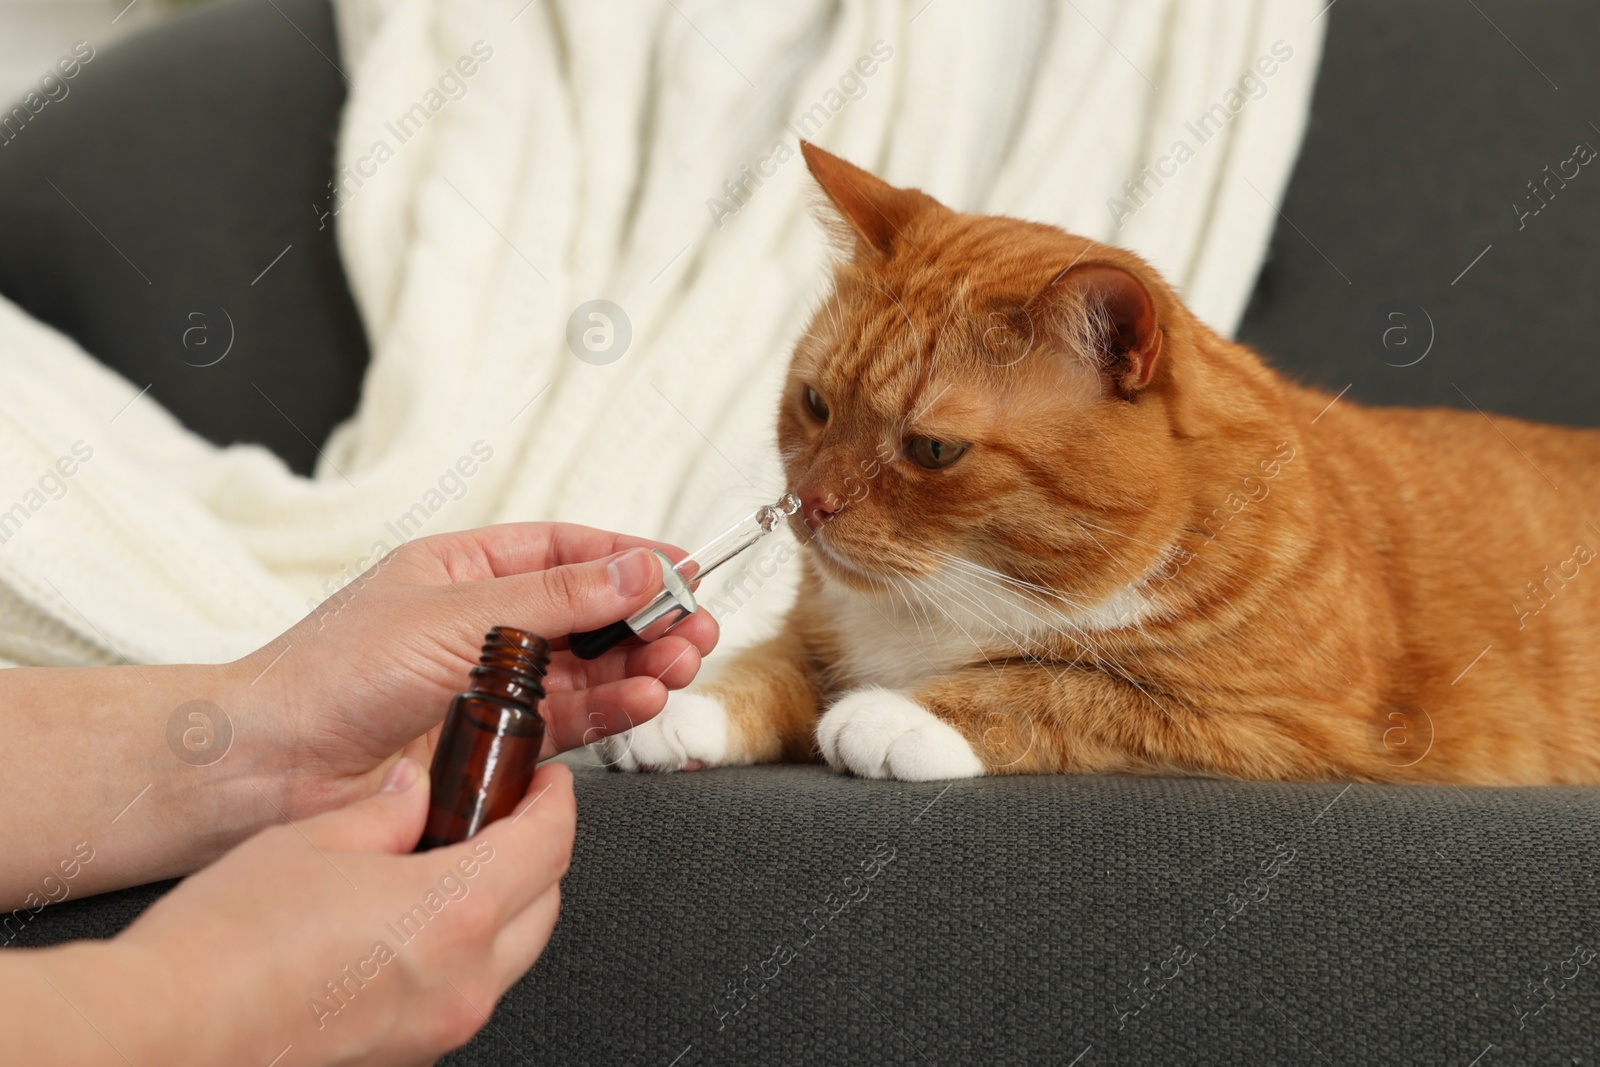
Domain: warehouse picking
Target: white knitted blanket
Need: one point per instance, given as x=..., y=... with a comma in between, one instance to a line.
x=509, y=162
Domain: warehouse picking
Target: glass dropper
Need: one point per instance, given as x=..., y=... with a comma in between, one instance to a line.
x=735, y=539
x=676, y=599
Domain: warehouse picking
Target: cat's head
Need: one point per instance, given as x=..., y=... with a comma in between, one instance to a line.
x=984, y=390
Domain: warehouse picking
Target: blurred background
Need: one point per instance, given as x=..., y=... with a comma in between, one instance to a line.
x=33, y=32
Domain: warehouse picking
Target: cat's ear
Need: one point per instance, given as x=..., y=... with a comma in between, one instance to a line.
x=878, y=214
x=1111, y=318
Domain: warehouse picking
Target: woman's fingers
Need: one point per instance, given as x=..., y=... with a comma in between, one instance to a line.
x=584, y=716
x=674, y=661
x=523, y=547
x=521, y=940
x=517, y=548
x=573, y=597
x=573, y=579
x=667, y=658
x=389, y=820
x=576, y=578
x=575, y=544
x=301, y=909
x=589, y=701
x=529, y=850
x=701, y=630
x=671, y=659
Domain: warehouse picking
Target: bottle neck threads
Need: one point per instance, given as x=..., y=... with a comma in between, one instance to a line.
x=512, y=666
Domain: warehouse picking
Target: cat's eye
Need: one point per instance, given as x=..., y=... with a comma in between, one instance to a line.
x=816, y=405
x=926, y=452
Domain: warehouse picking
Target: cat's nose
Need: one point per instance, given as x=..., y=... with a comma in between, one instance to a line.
x=818, y=508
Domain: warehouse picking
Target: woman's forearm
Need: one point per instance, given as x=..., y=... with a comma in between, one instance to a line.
x=75, y=1004
x=121, y=775
x=113, y=1003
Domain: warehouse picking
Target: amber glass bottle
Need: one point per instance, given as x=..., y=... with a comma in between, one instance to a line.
x=491, y=739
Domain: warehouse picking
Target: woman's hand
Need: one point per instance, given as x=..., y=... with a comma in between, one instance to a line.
x=325, y=937
x=104, y=764
x=370, y=673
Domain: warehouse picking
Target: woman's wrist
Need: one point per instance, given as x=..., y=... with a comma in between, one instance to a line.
x=116, y=1001
x=92, y=1002
x=170, y=766
x=230, y=742
x=286, y=737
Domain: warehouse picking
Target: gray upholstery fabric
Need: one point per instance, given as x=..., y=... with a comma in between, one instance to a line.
x=1015, y=915
x=1427, y=125
x=1399, y=924
x=152, y=200
x=1008, y=919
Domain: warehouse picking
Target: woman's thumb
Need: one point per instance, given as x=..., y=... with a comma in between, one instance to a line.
x=581, y=596
x=390, y=820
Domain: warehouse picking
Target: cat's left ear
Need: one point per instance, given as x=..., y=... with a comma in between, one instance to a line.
x=879, y=215
x=1115, y=317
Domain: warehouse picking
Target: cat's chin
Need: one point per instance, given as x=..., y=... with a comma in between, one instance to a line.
x=840, y=568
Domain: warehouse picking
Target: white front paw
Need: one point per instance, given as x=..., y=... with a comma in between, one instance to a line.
x=690, y=732
x=879, y=733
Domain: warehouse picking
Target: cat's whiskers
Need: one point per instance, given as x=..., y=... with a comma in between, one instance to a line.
x=1041, y=591
x=911, y=324
x=1102, y=660
x=922, y=409
x=938, y=603
x=940, y=630
x=955, y=580
x=921, y=591
x=1171, y=550
x=915, y=647
x=1010, y=588
x=941, y=589
x=1024, y=639
x=1137, y=579
x=1081, y=521
x=1058, y=625
x=1055, y=623
x=1021, y=641
x=917, y=602
x=1078, y=636
x=868, y=570
x=1110, y=663
x=836, y=312
x=885, y=582
x=919, y=616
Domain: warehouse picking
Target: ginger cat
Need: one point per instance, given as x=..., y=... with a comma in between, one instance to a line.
x=1054, y=523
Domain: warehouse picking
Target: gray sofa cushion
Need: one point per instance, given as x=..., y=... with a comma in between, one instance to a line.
x=151, y=205
x=1427, y=125
x=785, y=915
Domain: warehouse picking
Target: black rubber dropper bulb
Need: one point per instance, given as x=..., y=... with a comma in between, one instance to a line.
x=592, y=644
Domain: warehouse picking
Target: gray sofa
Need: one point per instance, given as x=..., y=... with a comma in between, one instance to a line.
x=788, y=915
